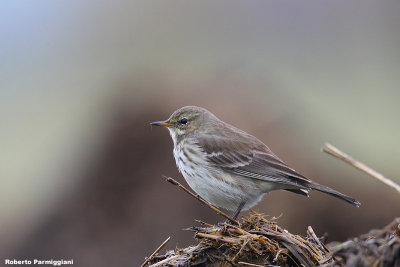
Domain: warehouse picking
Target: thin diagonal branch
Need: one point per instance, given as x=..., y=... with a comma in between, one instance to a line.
x=174, y=182
x=331, y=150
x=154, y=253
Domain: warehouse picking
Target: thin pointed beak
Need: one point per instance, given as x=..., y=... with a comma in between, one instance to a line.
x=162, y=123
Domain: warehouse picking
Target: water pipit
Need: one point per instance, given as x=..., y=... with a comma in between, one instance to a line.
x=228, y=167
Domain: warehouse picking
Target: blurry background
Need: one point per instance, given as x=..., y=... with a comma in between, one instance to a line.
x=81, y=169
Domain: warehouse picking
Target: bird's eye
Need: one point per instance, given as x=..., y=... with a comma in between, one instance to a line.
x=184, y=121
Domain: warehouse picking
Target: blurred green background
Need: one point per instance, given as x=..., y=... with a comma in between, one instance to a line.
x=81, y=169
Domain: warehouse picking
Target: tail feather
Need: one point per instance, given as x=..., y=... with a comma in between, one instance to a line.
x=334, y=193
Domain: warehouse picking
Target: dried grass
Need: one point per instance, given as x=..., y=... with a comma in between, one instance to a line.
x=257, y=241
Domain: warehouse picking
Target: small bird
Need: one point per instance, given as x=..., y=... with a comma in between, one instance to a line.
x=228, y=167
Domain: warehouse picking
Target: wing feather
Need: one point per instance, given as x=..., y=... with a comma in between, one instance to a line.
x=249, y=159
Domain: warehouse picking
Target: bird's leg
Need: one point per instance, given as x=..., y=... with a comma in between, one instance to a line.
x=241, y=205
x=234, y=216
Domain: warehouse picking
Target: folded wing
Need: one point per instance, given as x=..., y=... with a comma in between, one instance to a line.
x=250, y=159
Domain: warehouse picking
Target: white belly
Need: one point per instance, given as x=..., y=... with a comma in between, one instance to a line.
x=214, y=185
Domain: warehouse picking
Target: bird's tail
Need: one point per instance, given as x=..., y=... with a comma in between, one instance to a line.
x=335, y=193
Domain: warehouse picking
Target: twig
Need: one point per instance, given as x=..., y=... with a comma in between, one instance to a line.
x=227, y=239
x=330, y=149
x=161, y=263
x=174, y=182
x=204, y=223
x=313, y=235
x=169, y=259
x=154, y=253
x=249, y=264
x=322, y=247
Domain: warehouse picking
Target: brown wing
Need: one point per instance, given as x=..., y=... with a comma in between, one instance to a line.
x=250, y=159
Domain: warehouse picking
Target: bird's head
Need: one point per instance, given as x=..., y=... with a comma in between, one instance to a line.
x=187, y=120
